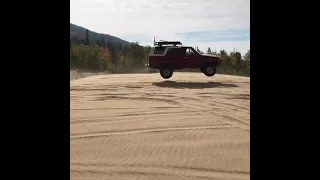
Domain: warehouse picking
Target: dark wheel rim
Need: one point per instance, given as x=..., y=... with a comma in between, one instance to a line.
x=166, y=72
x=210, y=70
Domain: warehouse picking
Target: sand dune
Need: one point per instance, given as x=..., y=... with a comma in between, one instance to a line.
x=140, y=126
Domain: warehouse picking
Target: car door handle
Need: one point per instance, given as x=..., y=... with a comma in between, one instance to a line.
x=185, y=57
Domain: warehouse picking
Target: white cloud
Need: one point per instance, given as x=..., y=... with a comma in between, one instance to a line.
x=163, y=18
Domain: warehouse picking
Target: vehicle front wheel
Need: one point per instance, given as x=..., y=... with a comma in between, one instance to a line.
x=209, y=70
x=166, y=73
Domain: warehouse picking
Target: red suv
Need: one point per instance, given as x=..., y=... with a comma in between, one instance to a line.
x=167, y=56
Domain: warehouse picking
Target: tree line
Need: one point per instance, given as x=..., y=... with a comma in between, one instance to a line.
x=233, y=63
x=106, y=56
x=123, y=58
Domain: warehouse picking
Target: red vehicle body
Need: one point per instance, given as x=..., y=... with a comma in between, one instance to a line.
x=171, y=57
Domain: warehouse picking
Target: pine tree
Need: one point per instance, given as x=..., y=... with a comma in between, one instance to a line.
x=209, y=50
x=87, y=37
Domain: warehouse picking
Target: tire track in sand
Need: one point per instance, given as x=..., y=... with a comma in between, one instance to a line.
x=177, y=171
x=146, y=130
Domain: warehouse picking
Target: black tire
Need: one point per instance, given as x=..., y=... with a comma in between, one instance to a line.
x=166, y=73
x=209, y=70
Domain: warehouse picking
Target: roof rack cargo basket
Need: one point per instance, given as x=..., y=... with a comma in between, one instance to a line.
x=173, y=43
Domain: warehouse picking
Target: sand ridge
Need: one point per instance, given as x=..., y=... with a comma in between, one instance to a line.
x=140, y=126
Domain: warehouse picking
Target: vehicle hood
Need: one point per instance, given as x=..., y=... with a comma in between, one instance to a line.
x=209, y=55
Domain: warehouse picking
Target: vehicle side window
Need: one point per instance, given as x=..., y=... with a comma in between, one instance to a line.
x=183, y=52
x=159, y=50
x=173, y=52
x=169, y=52
x=191, y=52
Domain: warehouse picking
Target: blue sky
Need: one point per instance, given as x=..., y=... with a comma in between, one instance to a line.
x=218, y=24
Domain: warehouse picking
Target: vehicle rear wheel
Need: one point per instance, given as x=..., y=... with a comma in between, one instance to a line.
x=209, y=70
x=166, y=73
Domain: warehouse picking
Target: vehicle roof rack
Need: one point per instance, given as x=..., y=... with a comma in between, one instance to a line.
x=161, y=43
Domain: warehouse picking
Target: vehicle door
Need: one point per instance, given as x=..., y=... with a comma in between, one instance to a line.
x=182, y=60
x=192, y=59
x=176, y=56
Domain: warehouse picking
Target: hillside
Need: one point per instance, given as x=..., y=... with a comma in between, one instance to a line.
x=94, y=36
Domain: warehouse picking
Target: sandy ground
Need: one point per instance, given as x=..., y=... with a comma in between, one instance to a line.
x=140, y=126
x=79, y=74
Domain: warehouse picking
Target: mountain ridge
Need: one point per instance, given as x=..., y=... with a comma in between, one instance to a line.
x=79, y=31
